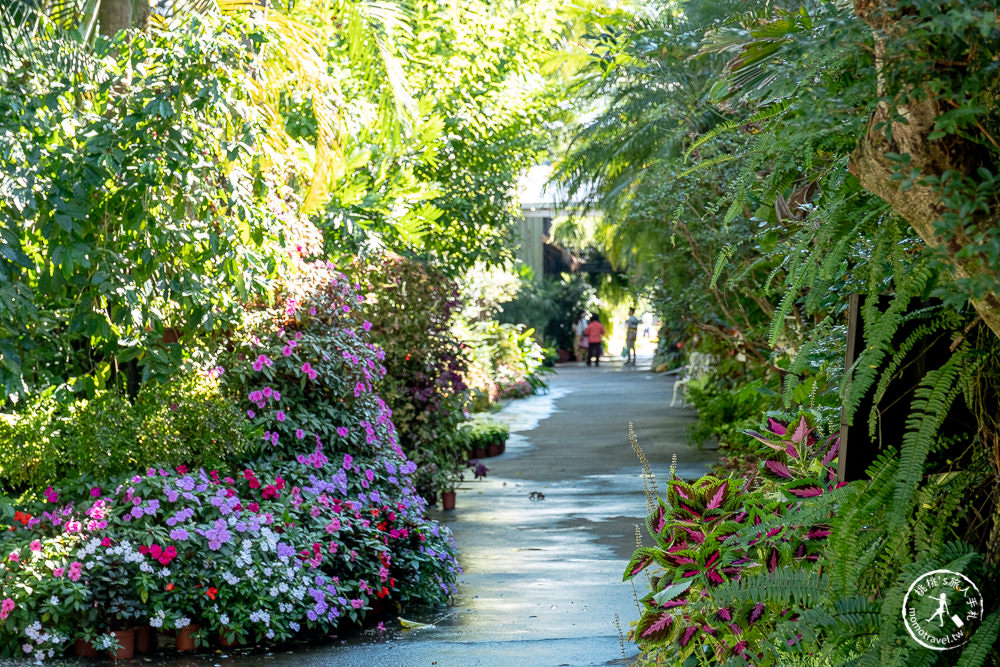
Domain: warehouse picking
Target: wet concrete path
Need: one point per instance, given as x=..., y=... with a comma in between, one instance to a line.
x=542, y=580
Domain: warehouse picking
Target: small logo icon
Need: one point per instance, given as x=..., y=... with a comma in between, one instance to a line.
x=942, y=609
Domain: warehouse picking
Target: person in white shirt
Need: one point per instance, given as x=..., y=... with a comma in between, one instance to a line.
x=579, y=328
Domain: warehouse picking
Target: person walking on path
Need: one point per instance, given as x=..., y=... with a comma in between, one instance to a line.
x=631, y=331
x=595, y=334
x=580, y=337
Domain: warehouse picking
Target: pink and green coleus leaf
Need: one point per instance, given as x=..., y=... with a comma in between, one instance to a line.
x=778, y=468
x=719, y=496
x=805, y=489
x=654, y=627
x=672, y=591
x=802, y=431
x=641, y=559
x=658, y=521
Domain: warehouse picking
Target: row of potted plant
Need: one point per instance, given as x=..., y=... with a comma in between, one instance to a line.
x=483, y=437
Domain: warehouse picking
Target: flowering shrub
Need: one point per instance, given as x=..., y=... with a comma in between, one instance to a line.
x=306, y=369
x=411, y=308
x=322, y=523
x=507, y=362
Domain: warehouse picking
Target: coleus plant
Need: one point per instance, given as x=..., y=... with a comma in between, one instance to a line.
x=700, y=532
x=797, y=458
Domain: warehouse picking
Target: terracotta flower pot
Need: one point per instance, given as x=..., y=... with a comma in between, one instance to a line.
x=143, y=639
x=493, y=449
x=479, y=453
x=126, y=641
x=84, y=649
x=185, y=642
x=503, y=446
x=377, y=610
x=228, y=639
x=447, y=500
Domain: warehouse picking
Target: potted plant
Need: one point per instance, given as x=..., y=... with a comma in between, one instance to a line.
x=119, y=644
x=116, y=607
x=448, y=479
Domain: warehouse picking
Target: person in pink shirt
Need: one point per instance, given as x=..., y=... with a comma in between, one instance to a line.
x=594, y=334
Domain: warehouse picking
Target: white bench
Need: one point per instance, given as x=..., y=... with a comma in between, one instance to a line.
x=698, y=366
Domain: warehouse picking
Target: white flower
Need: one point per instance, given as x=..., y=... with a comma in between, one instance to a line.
x=156, y=621
x=224, y=619
x=54, y=600
x=283, y=587
x=270, y=634
x=145, y=567
x=182, y=622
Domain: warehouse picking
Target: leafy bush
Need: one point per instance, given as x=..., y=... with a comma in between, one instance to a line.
x=100, y=214
x=507, y=362
x=550, y=307
x=481, y=432
x=411, y=306
x=54, y=440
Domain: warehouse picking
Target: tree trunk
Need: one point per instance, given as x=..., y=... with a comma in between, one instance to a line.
x=116, y=15
x=904, y=128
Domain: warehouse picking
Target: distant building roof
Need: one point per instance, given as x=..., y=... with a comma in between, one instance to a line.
x=535, y=190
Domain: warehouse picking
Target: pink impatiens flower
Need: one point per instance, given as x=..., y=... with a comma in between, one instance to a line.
x=6, y=607
x=35, y=545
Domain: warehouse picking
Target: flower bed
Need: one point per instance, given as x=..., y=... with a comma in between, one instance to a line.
x=322, y=522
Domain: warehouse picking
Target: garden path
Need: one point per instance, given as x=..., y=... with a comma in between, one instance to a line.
x=542, y=580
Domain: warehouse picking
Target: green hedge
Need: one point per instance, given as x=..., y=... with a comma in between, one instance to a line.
x=62, y=441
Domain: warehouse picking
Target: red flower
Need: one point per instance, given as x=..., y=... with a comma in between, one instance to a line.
x=170, y=586
x=182, y=469
x=211, y=593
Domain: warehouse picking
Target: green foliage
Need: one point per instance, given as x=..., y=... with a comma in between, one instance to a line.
x=705, y=599
x=80, y=443
x=132, y=204
x=481, y=432
x=551, y=307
